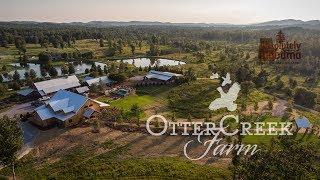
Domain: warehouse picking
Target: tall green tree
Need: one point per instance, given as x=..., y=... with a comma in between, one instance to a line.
x=1, y=78
x=16, y=76
x=64, y=69
x=105, y=70
x=33, y=74
x=133, y=49
x=10, y=142
x=45, y=59
x=26, y=75
x=135, y=110
x=262, y=79
x=244, y=73
x=190, y=75
x=154, y=50
x=43, y=72
x=53, y=72
x=15, y=85
x=99, y=70
x=3, y=89
x=305, y=97
x=4, y=68
x=20, y=44
x=71, y=68
x=101, y=43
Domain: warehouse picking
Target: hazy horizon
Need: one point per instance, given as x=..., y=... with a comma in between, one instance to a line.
x=174, y=11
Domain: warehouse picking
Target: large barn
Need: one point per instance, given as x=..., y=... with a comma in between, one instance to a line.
x=159, y=77
x=45, y=88
x=65, y=108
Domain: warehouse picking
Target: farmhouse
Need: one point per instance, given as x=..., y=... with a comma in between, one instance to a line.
x=65, y=108
x=45, y=88
x=159, y=77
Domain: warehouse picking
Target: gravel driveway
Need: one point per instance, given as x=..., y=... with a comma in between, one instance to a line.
x=18, y=109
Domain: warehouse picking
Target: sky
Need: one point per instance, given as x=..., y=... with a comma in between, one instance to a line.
x=186, y=11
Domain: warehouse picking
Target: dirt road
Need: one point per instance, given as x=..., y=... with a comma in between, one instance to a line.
x=18, y=109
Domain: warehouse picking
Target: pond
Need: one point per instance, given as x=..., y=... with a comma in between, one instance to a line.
x=21, y=69
x=146, y=62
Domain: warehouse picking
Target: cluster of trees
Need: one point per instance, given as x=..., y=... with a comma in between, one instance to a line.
x=286, y=158
x=16, y=83
x=116, y=46
x=183, y=38
x=305, y=98
x=46, y=67
x=96, y=71
x=308, y=67
x=45, y=60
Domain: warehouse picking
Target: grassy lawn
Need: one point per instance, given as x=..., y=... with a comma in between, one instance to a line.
x=160, y=93
x=144, y=97
x=112, y=164
x=126, y=102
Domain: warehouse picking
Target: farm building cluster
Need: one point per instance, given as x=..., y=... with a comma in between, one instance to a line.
x=65, y=101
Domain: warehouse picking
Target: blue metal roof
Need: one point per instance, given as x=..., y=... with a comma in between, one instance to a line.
x=303, y=122
x=58, y=105
x=88, y=112
x=45, y=113
x=63, y=105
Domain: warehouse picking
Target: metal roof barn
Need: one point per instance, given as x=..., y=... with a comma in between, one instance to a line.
x=63, y=105
x=53, y=85
x=164, y=76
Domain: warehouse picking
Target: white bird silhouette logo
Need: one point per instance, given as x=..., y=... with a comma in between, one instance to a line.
x=226, y=99
x=226, y=80
x=214, y=76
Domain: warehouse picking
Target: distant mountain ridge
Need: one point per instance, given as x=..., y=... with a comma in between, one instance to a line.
x=287, y=22
x=312, y=24
x=146, y=23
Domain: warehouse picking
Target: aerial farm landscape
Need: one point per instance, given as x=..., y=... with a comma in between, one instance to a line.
x=77, y=100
